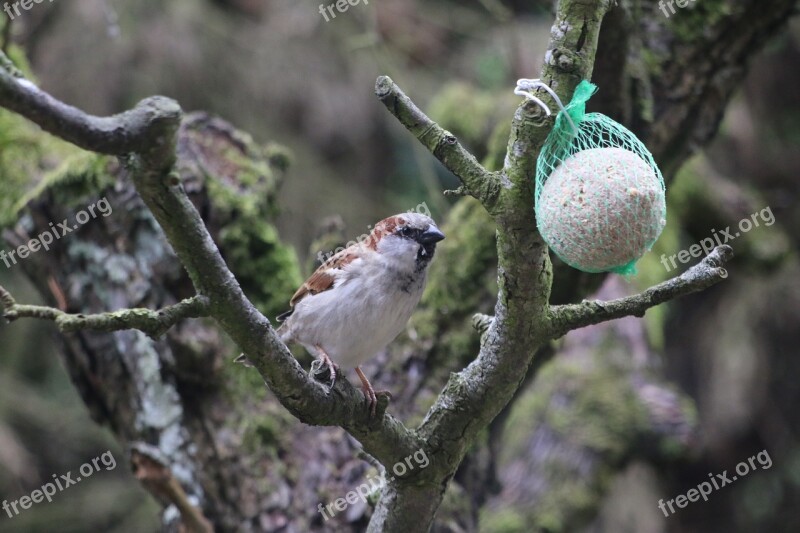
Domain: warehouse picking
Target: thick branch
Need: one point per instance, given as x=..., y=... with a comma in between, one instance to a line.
x=479, y=182
x=474, y=396
x=386, y=438
x=148, y=131
x=569, y=59
x=710, y=271
x=153, y=323
x=133, y=131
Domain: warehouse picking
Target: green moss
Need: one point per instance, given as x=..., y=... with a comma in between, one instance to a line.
x=279, y=157
x=25, y=152
x=463, y=111
x=267, y=269
x=600, y=410
x=465, y=256
x=242, y=179
x=76, y=180
x=498, y=143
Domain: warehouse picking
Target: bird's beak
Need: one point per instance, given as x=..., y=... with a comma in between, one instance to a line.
x=431, y=235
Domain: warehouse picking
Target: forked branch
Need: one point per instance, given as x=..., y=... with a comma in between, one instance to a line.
x=146, y=135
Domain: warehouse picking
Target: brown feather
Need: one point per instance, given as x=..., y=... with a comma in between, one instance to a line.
x=322, y=279
x=384, y=227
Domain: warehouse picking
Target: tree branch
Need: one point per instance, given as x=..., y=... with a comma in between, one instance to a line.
x=129, y=132
x=153, y=472
x=568, y=60
x=479, y=182
x=473, y=397
x=148, y=132
x=153, y=323
x=710, y=271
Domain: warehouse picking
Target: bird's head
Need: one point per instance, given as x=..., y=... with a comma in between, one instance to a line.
x=409, y=238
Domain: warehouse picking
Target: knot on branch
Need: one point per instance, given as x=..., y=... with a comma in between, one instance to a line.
x=563, y=59
x=148, y=129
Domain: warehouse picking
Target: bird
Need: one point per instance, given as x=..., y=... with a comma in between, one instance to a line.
x=361, y=298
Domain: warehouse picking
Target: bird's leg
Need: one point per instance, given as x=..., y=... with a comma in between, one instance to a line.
x=326, y=360
x=369, y=392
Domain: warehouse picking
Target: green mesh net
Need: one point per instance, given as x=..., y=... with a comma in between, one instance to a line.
x=600, y=199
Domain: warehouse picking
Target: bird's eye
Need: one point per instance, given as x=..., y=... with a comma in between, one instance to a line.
x=406, y=231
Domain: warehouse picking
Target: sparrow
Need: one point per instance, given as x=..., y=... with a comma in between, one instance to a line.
x=361, y=298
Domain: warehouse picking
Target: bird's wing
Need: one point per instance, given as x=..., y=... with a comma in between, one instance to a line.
x=322, y=279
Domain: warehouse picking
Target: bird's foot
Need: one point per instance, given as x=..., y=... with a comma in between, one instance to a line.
x=325, y=363
x=370, y=394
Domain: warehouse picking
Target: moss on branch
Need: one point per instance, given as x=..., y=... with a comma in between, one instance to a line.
x=153, y=323
x=565, y=318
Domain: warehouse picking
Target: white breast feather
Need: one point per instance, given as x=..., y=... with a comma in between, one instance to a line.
x=350, y=334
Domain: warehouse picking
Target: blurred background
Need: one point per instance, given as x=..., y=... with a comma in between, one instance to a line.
x=641, y=410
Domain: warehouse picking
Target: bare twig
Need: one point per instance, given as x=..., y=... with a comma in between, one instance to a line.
x=153, y=323
x=478, y=181
x=710, y=271
x=153, y=472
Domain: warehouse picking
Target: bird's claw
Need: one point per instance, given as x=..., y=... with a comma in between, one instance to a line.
x=323, y=371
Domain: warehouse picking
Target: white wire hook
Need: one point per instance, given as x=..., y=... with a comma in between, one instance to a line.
x=526, y=85
x=524, y=88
